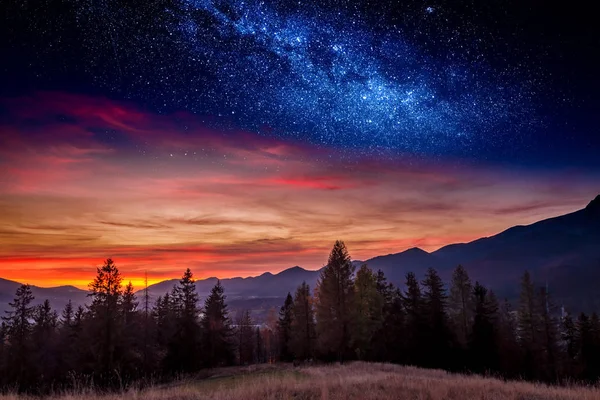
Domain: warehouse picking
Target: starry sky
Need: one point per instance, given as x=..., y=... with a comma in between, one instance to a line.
x=236, y=137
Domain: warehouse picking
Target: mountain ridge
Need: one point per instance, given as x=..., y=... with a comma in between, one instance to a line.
x=561, y=248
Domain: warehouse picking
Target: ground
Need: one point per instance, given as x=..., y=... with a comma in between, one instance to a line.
x=359, y=380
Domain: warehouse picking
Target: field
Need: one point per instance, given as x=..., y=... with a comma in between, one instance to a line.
x=352, y=381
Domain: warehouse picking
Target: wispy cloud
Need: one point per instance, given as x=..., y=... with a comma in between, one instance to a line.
x=86, y=178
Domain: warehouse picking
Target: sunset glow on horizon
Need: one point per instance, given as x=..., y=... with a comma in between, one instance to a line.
x=87, y=178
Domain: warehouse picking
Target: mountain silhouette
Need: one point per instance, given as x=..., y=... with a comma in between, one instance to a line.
x=561, y=252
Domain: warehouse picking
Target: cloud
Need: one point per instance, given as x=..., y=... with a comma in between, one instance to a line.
x=84, y=178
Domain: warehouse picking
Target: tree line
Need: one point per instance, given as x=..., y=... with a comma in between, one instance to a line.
x=352, y=314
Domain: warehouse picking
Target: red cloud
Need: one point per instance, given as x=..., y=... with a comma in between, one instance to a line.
x=316, y=182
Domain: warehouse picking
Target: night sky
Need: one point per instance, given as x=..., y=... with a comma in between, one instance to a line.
x=237, y=137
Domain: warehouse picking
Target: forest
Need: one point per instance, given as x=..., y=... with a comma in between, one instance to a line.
x=121, y=339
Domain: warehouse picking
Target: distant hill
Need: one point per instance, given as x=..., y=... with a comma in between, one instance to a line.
x=59, y=296
x=562, y=252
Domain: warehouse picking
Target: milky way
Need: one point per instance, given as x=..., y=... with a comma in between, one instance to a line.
x=424, y=85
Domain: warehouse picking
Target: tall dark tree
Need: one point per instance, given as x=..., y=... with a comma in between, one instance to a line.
x=460, y=305
x=388, y=342
x=184, y=348
x=529, y=326
x=259, y=349
x=303, y=332
x=68, y=314
x=548, y=338
x=68, y=338
x=106, y=293
x=18, y=328
x=415, y=320
x=129, y=304
x=438, y=334
x=216, y=329
x=129, y=342
x=246, y=338
x=45, y=324
x=3, y=340
x=508, y=345
x=585, y=347
x=568, y=335
x=483, y=344
x=284, y=328
x=334, y=299
x=368, y=312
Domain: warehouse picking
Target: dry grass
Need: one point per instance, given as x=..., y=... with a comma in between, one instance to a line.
x=353, y=381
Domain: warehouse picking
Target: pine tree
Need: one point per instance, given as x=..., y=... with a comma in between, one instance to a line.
x=106, y=293
x=388, y=342
x=284, y=328
x=130, y=353
x=18, y=328
x=368, y=311
x=259, y=349
x=334, y=298
x=585, y=347
x=593, y=363
x=184, y=347
x=568, y=335
x=415, y=320
x=216, y=329
x=271, y=337
x=548, y=364
x=460, y=305
x=508, y=345
x=303, y=332
x=148, y=331
x=3, y=340
x=186, y=297
x=45, y=323
x=246, y=339
x=528, y=326
x=68, y=339
x=129, y=304
x=439, y=344
x=483, y=344
x=68, y=315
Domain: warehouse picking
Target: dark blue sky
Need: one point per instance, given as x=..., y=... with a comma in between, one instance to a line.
x=501, y=81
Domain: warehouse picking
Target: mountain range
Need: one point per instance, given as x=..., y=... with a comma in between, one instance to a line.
x=561, y=252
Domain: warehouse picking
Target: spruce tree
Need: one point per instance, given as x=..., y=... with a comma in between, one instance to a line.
x=548, y=338
x=528, y=326
x=334, y=299
x=568, y=335
x=483, y=344
x=460, y=305
x=3, y=340
x=216, y=329
x=67, y=315
x=368, y=312
x=438, y=334
x=246, y=339
x=414, y=320
x=303, y=332
x=184, y=347
x=18, y=329
x=585, y=347
x=284, y=328
x=106, y=293
x=388, y=342
x=129, y=348
x=129, y=304
x=508, y=344
x=45, y=323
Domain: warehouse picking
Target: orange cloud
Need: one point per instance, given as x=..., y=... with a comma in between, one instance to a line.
x=83, y=178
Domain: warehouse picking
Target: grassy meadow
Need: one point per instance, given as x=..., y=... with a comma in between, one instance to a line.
x=358, y=380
